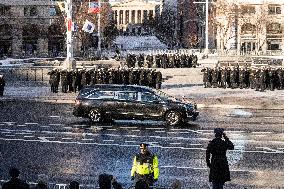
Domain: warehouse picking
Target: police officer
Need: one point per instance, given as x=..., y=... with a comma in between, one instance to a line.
x=145, y=166
x=2, y=85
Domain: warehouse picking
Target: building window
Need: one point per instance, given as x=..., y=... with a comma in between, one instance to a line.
x=248, y=28
x=30, y=11
x=5, y=10
x=248, y=9
x=52, y=11
x=33, y=11
x=274, y=28
x=274, y=9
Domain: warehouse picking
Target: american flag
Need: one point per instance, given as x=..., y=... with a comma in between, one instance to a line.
x=94, y=7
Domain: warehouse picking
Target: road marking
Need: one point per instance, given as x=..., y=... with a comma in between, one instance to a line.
x=21, y=125
x=6, y=132
x=54, y=116
x=31, y=123
x=29, y=136
x=9, y=123
x=108, y=140
x=160, y=131
x=55, y=124
x=261, y=132
x=87, y=139
x=130, y=141
x=10, y=135
x=175, y=143
x=67, y=138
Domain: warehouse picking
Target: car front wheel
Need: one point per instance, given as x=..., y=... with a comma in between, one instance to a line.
x=95, y=115
x=172, y=118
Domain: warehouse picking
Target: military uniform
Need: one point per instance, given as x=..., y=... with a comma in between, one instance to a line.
x=64, y=81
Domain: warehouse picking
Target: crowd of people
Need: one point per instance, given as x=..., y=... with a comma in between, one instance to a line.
x=74, y=80
x=171, y=60
x=258, y=78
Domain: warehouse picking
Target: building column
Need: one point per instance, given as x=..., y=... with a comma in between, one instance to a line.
x=119, y=18
x=136, y=17
x=124, y=18
x=17, y=40
x=130, y=16
x=142, y=16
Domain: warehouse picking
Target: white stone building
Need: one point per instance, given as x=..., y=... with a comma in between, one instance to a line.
x=130, y=14
x=250, y=26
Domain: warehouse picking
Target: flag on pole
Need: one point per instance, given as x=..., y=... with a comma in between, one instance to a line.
x=94, y=7
x=61, y=6
x=88, y=27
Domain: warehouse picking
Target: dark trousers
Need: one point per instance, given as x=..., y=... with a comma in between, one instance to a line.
x=147, y=178
x=1, y=91
x=217, y=185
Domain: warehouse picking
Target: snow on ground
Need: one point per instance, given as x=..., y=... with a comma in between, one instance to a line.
x=139, y=42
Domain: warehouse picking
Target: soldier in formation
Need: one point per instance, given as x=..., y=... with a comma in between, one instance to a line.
x=170, y=60
x=54, y=78
x=258, y=78
x=75, y=80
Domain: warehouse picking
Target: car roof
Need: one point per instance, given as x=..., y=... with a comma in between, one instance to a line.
x=118, y=87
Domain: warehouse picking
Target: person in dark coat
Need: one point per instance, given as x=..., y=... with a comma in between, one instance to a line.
x=216, y=159
x=107, y=181
x=2, y=85
x=15, y=182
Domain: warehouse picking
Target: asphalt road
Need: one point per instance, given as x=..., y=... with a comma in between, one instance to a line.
x=44, y=138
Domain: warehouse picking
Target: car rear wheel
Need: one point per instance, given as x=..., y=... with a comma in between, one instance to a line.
x=172, y=118
x=95, y=115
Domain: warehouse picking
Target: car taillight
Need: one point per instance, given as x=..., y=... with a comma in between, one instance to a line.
x=77, y=102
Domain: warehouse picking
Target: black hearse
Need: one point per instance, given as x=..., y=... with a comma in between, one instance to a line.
x=106, y=102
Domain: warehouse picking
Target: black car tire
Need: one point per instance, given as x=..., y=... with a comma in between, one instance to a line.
x=172, y=118
x=95, y=115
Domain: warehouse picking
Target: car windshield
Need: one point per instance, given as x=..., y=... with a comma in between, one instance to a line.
x=165, y=96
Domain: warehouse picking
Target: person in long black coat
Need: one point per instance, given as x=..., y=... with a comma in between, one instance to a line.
x=216, y=159
x=2, y=85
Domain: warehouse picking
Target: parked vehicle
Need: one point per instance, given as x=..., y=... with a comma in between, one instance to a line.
x=105, y=102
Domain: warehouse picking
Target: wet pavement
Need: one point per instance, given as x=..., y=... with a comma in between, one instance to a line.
x=43, y=137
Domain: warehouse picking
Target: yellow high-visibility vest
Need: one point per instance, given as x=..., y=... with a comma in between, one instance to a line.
x=146, y=166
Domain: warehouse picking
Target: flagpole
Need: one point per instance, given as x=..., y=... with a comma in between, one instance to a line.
x=69, y=62
x=99, y=29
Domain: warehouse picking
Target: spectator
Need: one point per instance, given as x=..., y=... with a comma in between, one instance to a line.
x=216, y=159
x=176, y=184
x=74, y=185
x=42, y=182
x=15, y=182
x=106, y=180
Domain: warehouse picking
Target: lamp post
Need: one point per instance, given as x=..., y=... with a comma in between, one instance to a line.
x=69, y=62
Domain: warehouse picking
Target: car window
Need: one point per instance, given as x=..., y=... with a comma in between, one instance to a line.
x=125, y=95
x=101, y=95
x=148, y=97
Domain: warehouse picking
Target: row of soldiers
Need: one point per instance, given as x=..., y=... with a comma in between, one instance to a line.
x=260, y=78
x=162, y=60
x=74, y=80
